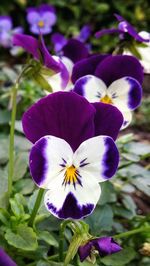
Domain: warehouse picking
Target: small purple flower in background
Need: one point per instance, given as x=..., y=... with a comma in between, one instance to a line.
x=104, y=245
x=73, y=151
x=5, y=260
x=59, y=41
x=41, y=19
x=84, y=34
x=7, y=32
x=124, y=28
x=111, y=81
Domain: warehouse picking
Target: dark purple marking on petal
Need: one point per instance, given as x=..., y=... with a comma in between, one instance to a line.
x=108, y=120
x=111, y=159
x=38, y=162
x=79, y=85
x=83, y=163
x=86, y=66
x=75, y=50
x=119, y=66
x=64, y=115
x=135, y=93
x=71, y=208
x=5, y=260
x=85, y=251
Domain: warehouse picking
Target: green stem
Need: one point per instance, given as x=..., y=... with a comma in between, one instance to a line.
x=36, y=206
x=61, y=239
x=132, y=232
x=12, y=129
x=11, y=140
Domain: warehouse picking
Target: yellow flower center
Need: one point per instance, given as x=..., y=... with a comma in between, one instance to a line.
x=106, y=99
x=41, y=24
x=71, y=175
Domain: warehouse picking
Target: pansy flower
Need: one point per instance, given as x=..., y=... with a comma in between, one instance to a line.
x=5, y=260
x=84, y=34
x=41, y=19
x=7, y=32
x=115, y=80
x=38, y=50
x=124, y=29
x=103, y=245
x=73, y=151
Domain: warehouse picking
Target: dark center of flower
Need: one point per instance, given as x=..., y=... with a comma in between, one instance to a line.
x=71, y=176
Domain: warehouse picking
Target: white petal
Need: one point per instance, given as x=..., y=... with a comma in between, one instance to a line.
x=97, y=157
x=91, y=87
x=127, y=119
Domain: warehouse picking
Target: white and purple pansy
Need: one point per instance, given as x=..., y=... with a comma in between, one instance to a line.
x=72, y=177
x=115, y=80
x=41, y=19
x=62, y=127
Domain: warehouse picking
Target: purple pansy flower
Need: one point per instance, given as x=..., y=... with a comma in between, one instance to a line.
x=104, y=245
x=7, y=31
x=124, y=28
x=84, y=34
x=69, y=157
x=38, y=49
x=113, y=80
x=41, y=19
x=5, y=260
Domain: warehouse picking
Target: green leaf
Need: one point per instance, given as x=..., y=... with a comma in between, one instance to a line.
x=22, y=144
x=16, y=208
x=48, y=238
x=24, y=238
x=24, y=186
x=3, y=188
x=108, y=193
x=4, y=216
x=4, y=150
x=4, y=117
x=121, y=258
x=138, y=148
x=129, y=204
x=21, y=164
x=101, y=219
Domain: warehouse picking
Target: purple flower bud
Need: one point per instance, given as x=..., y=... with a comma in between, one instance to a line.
x=104, y=245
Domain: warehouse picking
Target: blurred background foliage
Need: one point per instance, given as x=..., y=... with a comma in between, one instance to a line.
x=73, y=14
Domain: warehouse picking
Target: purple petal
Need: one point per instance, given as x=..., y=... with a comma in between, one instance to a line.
x=108, y=120
x=86, y=66
x=75, y=50
x=118, y=17
x=5, y=23
x=103, y=32
x=125, y=26
x=106, y=246
x=32, y=16
x=49, y=18
x=5, y=260
x=58, y=41
x=61, y=114
x=85, y=33
x=28, y=43
x=85, y=251
x=45, y=8
x=119, y=66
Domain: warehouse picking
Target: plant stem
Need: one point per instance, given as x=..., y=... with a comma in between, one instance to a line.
x=36, y=206
x=61, y=239
x=11, y=140
x=132, y=232
x=12, y=129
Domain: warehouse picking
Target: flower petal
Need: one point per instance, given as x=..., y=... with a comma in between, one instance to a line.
x=97, y=157
x=119, y=66
x=5, y=260
x=108, y=120
x=127, y=116
x=32, y=16
x=5, y=23
x=62, y=114
x=85, y=251
x=73, y=202
x=91, y=87
x=126, y=93
x=49, y=18
x=106, y=246
x=58, y=41
x=86, y=66
x=75, y=50
x=103, y=32
x=28, y=43
x=46, y=157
